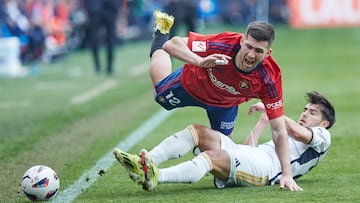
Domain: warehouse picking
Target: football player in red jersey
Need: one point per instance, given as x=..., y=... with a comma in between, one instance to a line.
x=220, y=72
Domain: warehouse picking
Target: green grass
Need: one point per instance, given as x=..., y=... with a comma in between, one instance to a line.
x=39, y=125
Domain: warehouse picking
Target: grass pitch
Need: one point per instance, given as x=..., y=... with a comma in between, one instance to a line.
x=40, y=124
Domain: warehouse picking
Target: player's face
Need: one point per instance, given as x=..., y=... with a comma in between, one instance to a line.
x=252, y=52
x=311, y=116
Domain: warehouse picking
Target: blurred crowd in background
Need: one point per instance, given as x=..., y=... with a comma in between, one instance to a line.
x=47, y=28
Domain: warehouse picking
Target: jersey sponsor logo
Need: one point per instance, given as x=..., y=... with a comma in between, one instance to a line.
x=198, y=46
x=227, y=125
x=275, y=105
x=220, y=84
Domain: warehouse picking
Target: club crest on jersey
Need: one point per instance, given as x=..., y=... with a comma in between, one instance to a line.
x=244, y=84
x=198, y=46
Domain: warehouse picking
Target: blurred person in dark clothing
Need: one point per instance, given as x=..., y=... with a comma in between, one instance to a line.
x=184, y=12
x=102, y=14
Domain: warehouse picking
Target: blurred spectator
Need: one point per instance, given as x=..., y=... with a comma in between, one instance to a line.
x=16, y=24
x=36, y=43
x=63, y=24
x=102, y=14
x=16, y=16
x=78, y=24
x=63, y=10
x=184, y=11
x=2, y=11
x=36, y=33
x=241, y=12
x=278, y=11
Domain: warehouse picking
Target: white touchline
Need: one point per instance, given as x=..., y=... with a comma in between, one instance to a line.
x=90, y=176
x=92, y=93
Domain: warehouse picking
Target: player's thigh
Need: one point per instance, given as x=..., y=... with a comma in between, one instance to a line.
x=220, y=162
x=160, y=65
x=248, y=167
x=170, y=94
x=222, y=119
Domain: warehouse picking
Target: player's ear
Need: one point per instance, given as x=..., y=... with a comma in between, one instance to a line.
x=325, y=123
x=269, y=52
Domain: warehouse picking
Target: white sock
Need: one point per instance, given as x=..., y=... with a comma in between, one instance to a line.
x=174, y=146
x=186, y=172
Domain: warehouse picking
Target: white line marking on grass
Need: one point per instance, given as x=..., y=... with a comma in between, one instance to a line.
x=53, y=85
x=139, y=69
x=92, y=93
x=15, y=104
x=90, y=176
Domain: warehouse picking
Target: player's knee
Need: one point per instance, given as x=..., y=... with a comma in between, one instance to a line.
x=200, y=130
x=220, y=162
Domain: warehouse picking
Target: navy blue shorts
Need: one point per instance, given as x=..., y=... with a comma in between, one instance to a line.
x=170, y=94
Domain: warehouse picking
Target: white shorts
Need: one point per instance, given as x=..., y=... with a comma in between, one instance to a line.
x=249, y=165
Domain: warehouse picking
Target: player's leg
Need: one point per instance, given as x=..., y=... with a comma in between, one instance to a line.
x=151, y=172
x=160, y=62
x=208, y=139
x=110, y=22
x=220, y=162
x=160, y=66
x=222, y=119
x=190, y=171
x=93, y=29
x=131, y=163
x=186, y=172
x=181, y=142
x=243, y=166
x=213, y=159
x=175, y=146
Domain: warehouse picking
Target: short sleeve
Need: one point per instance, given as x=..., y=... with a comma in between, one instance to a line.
x=321, y=139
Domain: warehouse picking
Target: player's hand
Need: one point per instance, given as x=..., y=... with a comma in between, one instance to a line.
x=259, y=106
x=289, y=183
x=214, y=59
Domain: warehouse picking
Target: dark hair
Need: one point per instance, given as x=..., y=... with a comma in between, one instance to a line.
x=261, y=31
x=327, y=108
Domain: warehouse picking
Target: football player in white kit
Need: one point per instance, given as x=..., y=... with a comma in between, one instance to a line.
x=234, y=164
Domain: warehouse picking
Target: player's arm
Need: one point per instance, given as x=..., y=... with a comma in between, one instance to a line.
x=178, y=48
x=297, y=131
x=254, y=135
x=279, y=136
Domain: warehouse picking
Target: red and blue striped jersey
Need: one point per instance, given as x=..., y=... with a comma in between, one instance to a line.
x=226, y=85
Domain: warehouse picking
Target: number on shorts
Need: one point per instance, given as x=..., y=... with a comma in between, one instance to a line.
x=172, y=99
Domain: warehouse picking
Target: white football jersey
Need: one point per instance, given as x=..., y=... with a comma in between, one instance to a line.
x=303, y=156
x=258, y=166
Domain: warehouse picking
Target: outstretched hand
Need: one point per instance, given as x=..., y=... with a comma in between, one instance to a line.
x=259, y=107
x=285, y=181
x=213, y=59
x=289, y=183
